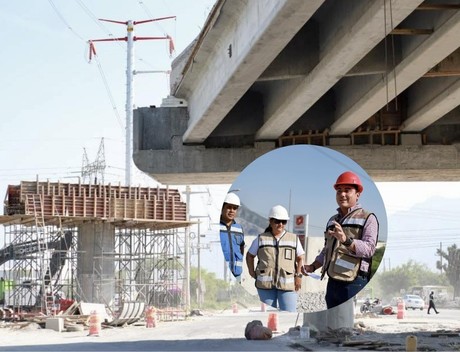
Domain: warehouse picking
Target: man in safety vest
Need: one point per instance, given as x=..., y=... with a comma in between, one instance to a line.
x=231, y=235
x=350, y=241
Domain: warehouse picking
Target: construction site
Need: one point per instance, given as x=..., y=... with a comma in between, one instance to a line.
x=66, y=244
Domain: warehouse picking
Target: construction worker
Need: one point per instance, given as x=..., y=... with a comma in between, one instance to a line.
x=280, y=258
x=231, y=235
x=350, y=241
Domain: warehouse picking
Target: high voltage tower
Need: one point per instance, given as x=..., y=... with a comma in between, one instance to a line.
x=95, y=170
x=130, y=72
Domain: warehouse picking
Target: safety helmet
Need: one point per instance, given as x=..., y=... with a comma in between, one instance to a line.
x=349, y=178
x=232, y=198
x=278, y=212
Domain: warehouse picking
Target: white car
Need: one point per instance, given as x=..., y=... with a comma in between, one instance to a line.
x=414, y=302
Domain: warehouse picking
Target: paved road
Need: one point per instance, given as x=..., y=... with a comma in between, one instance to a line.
x=218, y=332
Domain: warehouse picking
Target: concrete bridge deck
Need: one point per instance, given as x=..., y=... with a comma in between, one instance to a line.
x=376, y=80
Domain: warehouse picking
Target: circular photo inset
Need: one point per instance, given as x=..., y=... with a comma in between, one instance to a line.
x=303, y=228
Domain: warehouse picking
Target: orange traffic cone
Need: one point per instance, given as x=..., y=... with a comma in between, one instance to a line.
x=150, y=318
x=401, y=308
x=94, y=324
x=272, y=321
x=235, y=308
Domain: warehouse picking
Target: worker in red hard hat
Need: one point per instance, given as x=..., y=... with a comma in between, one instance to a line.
x=350, y=241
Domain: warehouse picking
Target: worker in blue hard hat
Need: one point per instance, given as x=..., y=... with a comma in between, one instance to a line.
x=232, y=235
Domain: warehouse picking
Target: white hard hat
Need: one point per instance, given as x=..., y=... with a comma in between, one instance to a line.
x=278, y=212
x=232, y=198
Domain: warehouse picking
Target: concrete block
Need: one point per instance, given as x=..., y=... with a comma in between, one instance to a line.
x=56, y=324
x=339, y=141
x=411, y=139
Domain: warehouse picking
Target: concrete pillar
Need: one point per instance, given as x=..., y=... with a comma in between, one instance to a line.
x=341, y=316
x=95, y=267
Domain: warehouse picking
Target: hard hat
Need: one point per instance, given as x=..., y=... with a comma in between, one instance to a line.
x=232, y=198
x=349, y=178
x=278, y=212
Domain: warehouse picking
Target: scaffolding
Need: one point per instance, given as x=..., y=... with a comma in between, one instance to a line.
x=39, y=264
x=42, y=227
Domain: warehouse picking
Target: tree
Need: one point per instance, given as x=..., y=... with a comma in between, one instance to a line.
x=452, y=267
x=406, y=276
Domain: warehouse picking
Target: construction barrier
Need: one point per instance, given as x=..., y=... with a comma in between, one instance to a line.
x=401, y=308
x=150, y=317
x=272, y=323
x=235, y=308
x=95, y=323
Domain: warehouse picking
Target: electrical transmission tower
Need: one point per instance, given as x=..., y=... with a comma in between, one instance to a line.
x=95, y=170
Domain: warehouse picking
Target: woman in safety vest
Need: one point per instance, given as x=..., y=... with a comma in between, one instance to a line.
x=280, y=258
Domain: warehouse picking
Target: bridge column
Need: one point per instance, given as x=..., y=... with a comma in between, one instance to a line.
x=95, y=267
x=338, y=317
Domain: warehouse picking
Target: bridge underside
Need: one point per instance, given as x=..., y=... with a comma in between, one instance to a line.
x=376, y=80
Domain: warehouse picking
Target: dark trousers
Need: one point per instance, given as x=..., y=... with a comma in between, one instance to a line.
x=431, y=305
x=338, y=292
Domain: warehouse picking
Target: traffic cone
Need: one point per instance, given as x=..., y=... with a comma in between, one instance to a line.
x=272, y=322
x=401, y=308
x=150, y=319
x=94, y=324
x=235, y=308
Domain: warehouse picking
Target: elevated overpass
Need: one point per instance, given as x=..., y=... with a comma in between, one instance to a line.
x=377, y=80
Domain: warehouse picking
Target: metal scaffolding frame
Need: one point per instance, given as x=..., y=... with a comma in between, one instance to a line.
x=42, y=227
x=39, y=265
x=149, y=267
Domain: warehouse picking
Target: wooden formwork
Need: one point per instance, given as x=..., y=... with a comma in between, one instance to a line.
x=95, y=201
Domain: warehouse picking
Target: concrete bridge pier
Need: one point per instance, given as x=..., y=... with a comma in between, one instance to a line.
x=338, y=317
x=95, y=265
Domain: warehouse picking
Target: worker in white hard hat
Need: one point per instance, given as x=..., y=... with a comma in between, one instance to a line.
x=280, y=257
x=350, y=242
x=232, y=235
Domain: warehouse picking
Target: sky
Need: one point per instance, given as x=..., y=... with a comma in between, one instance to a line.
x=301, y=179
x=56, y=105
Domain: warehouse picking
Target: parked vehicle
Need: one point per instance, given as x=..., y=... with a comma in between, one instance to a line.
x=414, y=302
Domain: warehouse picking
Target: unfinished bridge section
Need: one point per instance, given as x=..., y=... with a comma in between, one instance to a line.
x=95, y=243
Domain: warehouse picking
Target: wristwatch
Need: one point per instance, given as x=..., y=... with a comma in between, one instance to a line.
x=298, y=275
x=348, y=242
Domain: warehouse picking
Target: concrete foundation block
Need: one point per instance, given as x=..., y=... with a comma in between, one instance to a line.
x=56, y=324
x=339, y=141
x=411, y=139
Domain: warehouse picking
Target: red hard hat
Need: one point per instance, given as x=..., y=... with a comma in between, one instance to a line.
x=349, y=178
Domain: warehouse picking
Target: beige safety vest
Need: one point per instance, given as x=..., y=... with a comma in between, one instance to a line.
x=276, y=261
x=341, y=263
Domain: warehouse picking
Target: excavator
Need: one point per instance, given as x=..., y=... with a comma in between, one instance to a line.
x=24, y=250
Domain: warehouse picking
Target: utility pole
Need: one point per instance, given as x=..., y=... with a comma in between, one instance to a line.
x=440, y=255
x=189, y=192
x=130, y=39
x=198, y=251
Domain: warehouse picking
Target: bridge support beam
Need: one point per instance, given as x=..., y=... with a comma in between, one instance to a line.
x=160, y=152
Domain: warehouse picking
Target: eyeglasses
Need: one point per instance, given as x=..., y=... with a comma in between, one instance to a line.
x=276, y=221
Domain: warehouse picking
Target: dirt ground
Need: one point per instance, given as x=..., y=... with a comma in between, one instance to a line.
x=224, y=331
